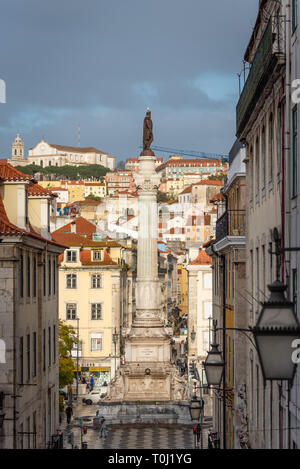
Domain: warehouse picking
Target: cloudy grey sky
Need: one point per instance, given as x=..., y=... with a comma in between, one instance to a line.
x=103, y=62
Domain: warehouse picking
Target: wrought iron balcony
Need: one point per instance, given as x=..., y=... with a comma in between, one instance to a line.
x=222, y=227
x=270, y=52
x=231, y=223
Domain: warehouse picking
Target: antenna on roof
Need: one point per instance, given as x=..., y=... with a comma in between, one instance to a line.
x=78, y=134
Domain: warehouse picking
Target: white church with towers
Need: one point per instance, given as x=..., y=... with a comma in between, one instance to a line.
x=48, y=154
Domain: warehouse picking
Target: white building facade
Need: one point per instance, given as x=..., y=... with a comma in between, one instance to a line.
x=47, y=154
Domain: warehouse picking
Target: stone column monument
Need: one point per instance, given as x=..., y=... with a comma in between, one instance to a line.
x=148, y=374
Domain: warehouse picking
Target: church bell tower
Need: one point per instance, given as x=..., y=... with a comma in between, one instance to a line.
x=17, y=149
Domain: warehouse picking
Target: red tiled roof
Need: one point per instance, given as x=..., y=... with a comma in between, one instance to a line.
x=86, y=258
x=202, y=259
x=217, y=198
x=77, y=183
x=170, y=202
x=209, y=182
x=89, y=202
x=76, y=149
x=37, y=190
x=73, y=239
x=191, y=162
x=83, y=227
x=8, y=228
x=10, y=173
x=187, y=190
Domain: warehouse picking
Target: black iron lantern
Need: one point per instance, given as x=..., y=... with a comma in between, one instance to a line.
x=276, y=333
x=193, y=334
x=214, y=363
x=196, y=407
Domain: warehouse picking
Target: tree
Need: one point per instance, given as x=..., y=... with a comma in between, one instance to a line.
x=67, y=339
x=90, y=171
x=30, y=169
x=162, y=197
x=93, y=197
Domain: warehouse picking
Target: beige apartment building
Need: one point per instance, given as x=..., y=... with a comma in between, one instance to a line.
x=28, y=314
x=94, y=280
x=199, y=305
x=260, y=126
x=228, y=253
x=98, y=189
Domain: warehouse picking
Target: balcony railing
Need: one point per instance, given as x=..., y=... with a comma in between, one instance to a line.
x=231, y=223
x=270, y=52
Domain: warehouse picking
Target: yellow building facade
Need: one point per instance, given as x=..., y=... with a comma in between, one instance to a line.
x=92, y=275
x=228, y=254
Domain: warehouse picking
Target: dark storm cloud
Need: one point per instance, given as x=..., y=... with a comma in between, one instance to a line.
x=102, y=63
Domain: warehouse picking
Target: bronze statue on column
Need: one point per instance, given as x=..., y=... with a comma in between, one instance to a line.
x=147, y=134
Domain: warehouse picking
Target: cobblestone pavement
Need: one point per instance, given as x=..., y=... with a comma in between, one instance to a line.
x=130, y=436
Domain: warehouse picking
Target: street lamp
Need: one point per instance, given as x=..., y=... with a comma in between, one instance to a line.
x=115, y=340
x=274, y=333
x=193, y=334
x=214, y=363
x=196, y=407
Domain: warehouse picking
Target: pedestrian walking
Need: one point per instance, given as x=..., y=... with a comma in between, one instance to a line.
x=69, y=412
x=92, y=383
x=103, y=427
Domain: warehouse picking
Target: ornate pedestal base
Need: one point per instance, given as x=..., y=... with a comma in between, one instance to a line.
x=148, y=374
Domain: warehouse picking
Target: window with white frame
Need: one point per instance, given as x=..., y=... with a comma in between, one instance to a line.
x=207, y=309
x=96, y=281
x=71, y=310
x=207, y=281
x=206, y=341
x=96, y=255
x=71, y=281
x=96, y=311
x=96, y=342
x=71, y=255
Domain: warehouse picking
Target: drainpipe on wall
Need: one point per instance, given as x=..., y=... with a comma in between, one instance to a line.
x=286, y=170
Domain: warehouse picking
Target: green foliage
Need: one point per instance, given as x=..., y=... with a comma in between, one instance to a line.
x=162, y=197
x=67, y=338
x=91, y=171
x=93, y=197
x=66, y=367
x=30, y=169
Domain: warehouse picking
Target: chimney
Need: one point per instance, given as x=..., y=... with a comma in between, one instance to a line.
x=73, y=227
